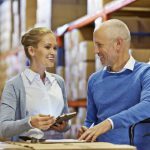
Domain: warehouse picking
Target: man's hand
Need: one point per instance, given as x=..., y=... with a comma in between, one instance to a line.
x=81, y=131
x=92, y=133
x=59, y=126
x=42, y=122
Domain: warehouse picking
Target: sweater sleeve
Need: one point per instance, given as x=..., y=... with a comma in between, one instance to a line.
x=8, y=125
x=91, y=108
x=138, y=112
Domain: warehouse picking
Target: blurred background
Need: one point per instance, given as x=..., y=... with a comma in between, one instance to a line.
x=73, y=22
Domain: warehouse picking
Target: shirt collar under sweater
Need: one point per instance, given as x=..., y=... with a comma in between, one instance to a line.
x=129, y=65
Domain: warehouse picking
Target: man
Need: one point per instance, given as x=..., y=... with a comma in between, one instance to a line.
x=119, y=95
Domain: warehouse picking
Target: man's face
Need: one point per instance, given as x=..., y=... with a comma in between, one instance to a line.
x=105, y=48
x=45, y=52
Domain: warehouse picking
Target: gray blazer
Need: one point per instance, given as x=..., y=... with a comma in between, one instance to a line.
x=13, y=114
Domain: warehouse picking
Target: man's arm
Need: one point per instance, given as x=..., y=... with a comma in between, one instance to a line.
x=138, y=112
x=91, y=107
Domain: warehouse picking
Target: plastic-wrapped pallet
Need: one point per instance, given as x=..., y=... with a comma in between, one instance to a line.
x=76, y=37
x=86, y=51
x=86, y=69
x=74, y=81
x=82, y=88
x=98, y=64
x=67, y=41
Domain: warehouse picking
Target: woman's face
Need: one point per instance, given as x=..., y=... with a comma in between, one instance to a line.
x=45, y=52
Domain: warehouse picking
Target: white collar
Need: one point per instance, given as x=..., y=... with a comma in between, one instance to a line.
x=129, y=65
x=31, y=75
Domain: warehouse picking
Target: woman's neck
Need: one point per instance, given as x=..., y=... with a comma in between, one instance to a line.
x=40, y=71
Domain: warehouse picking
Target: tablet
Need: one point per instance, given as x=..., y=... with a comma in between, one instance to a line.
x=65, y=117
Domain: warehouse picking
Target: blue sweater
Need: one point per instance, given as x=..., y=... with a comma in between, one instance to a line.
x=123, y=97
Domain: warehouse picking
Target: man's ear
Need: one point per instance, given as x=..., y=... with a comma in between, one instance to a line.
x=119, y=43
x=31, y=51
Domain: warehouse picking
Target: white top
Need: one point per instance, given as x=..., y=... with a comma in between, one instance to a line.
x=42, y=98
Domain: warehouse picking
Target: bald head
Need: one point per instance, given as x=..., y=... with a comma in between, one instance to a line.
x=112, y=42
x=114, y=29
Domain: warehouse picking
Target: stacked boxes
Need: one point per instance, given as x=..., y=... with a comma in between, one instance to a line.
x=6, y=26
x=15, y=29
x=43, y=19
x=31, y=7
x=79, y=60
x=22, y=14
x=64, y=11
x=138, y=27
x=142, y=55
x=94, y=6
x=72, y=40
x=86, y=65
x=3, y=76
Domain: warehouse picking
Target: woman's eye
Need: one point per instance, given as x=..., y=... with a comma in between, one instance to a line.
x=47, y=47
x=55, y=48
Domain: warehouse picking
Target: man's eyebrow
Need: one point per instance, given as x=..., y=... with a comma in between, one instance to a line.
x=98, y=43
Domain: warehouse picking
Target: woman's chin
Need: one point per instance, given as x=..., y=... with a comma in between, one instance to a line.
x=50, y=65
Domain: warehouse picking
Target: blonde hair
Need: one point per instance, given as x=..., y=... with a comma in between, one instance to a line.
x=33, y=37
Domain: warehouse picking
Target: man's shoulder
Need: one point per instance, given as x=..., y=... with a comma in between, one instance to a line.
x=95, y=75
x=142, y=66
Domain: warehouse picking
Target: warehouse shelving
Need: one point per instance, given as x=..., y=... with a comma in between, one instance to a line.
x=77, y=103
x=121, y=7
x=117, y=7
x=87, y=19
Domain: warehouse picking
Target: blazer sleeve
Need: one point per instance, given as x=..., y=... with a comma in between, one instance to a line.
x=9, y=126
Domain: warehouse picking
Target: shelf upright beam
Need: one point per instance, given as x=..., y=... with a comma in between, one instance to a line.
x=77, y=103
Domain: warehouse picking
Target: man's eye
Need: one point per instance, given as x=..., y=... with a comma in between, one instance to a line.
x=99, y=45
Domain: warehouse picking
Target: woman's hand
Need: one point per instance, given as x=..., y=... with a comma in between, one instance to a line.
x=60, y=126
x=42, y=122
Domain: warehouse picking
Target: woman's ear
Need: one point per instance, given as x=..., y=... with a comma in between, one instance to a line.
x=31, y=51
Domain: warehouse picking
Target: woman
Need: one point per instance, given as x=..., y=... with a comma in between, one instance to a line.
x=33, y=99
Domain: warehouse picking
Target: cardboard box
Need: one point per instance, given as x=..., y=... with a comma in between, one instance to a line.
x=65, y=11
x=142, y=55
x=137, y=25
x=31, y=7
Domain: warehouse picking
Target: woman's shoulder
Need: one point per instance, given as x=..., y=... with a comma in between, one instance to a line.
x=16, y=80
x=57, y=77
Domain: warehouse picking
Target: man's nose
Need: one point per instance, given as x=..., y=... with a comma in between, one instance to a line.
x=96, y=50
